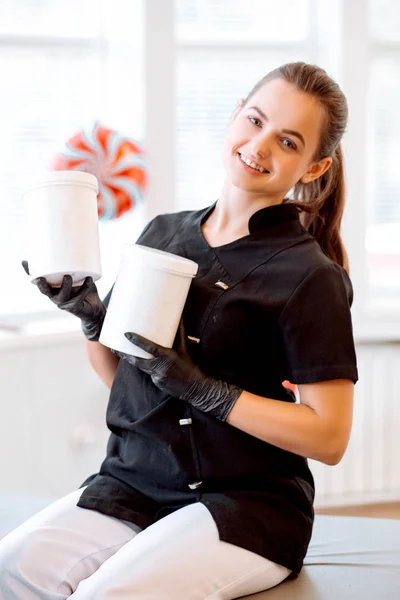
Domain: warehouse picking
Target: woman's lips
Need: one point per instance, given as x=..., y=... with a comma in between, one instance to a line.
x=248, y=169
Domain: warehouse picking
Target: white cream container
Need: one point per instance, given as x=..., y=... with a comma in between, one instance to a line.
x=148, y=298
x=61, y=227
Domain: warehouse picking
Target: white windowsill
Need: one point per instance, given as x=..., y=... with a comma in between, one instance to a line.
x=39, y=330
x=42, y=329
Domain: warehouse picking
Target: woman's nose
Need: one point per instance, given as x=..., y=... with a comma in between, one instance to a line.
x=261, y=145
x=260, y=150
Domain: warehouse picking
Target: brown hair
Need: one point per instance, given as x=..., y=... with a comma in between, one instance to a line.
x=322, y=200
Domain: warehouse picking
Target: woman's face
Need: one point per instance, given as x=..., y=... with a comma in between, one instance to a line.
x=278, y=129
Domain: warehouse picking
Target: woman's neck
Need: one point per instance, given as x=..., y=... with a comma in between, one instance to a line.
x=234, y=209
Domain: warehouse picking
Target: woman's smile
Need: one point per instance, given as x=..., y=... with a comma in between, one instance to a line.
x=251, y=169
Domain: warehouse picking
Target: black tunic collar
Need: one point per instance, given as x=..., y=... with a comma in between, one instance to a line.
x=272, y=215
x=265, y=217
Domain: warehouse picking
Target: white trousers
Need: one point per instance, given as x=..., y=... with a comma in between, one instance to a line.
x=70, y=552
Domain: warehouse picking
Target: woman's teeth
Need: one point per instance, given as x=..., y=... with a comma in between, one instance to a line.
x=252, y=164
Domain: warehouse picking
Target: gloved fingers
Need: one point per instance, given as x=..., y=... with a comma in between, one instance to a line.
x=145, y=344
x=181, y=338
x=141, y=363
x=64, y=293
x=125, y=356
x=86, y=285
x=82, y=291
x=144, y=364
x=25, y=265
x=44, y=287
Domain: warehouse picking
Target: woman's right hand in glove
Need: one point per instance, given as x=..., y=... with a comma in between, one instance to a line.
x=82, y=301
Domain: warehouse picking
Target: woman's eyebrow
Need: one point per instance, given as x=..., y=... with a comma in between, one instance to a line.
x=290, y=131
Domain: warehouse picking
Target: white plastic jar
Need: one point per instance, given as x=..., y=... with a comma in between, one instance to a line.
x=61, y=227
x=148, y=298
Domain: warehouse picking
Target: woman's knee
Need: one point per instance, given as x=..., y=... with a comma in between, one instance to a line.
x=27, y=566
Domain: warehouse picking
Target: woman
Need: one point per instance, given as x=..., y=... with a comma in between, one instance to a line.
x=205, y=491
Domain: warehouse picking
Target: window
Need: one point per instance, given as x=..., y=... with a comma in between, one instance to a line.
x=67, y=62
x=223, y=49
x=63, y=65
x=383, y=217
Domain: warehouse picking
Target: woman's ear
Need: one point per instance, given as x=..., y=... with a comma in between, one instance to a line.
x=317, y=170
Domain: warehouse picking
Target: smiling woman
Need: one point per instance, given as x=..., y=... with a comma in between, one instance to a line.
x=279, y=155
x=285, y=106
x=207, y=455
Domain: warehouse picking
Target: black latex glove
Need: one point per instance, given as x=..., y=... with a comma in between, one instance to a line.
x=82, y=301
x=174, y=372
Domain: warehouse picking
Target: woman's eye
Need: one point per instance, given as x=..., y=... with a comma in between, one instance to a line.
x=290, y=142
x=252, y=119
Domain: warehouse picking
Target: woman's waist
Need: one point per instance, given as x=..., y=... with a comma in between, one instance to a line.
x=200, y=446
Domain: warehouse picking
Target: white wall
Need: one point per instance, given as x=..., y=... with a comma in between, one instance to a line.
x=52, y=415
x=53, y=433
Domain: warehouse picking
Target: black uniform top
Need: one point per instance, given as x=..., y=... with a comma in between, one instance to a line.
x=283, y=313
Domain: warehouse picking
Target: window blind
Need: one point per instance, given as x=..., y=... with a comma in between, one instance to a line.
x=261, y=21
x=224, y=48
x=209, y=85
x=383, y=215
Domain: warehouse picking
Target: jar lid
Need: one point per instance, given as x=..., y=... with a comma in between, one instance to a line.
x=65, y=177
x=164, y=260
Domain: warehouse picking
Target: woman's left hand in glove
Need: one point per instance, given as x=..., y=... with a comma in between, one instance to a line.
x=174, y=372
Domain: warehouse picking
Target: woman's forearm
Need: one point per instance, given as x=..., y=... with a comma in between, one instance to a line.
x=103, y=361
x=293, y=427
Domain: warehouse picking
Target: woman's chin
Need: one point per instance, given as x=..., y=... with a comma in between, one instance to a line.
x=248, y=186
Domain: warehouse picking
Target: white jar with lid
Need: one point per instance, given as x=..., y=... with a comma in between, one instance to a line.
x=148, y=298
x=61, y=227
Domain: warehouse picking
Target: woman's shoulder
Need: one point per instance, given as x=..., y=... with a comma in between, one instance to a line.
x=309, y=256
x=177, y=217
x=306, y=265
x=165, y=226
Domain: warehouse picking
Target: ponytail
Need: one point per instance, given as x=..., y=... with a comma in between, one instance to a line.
x=322, y=203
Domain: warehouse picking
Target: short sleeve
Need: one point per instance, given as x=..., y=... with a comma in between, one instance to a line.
x=317, y=329
x=106, y=300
